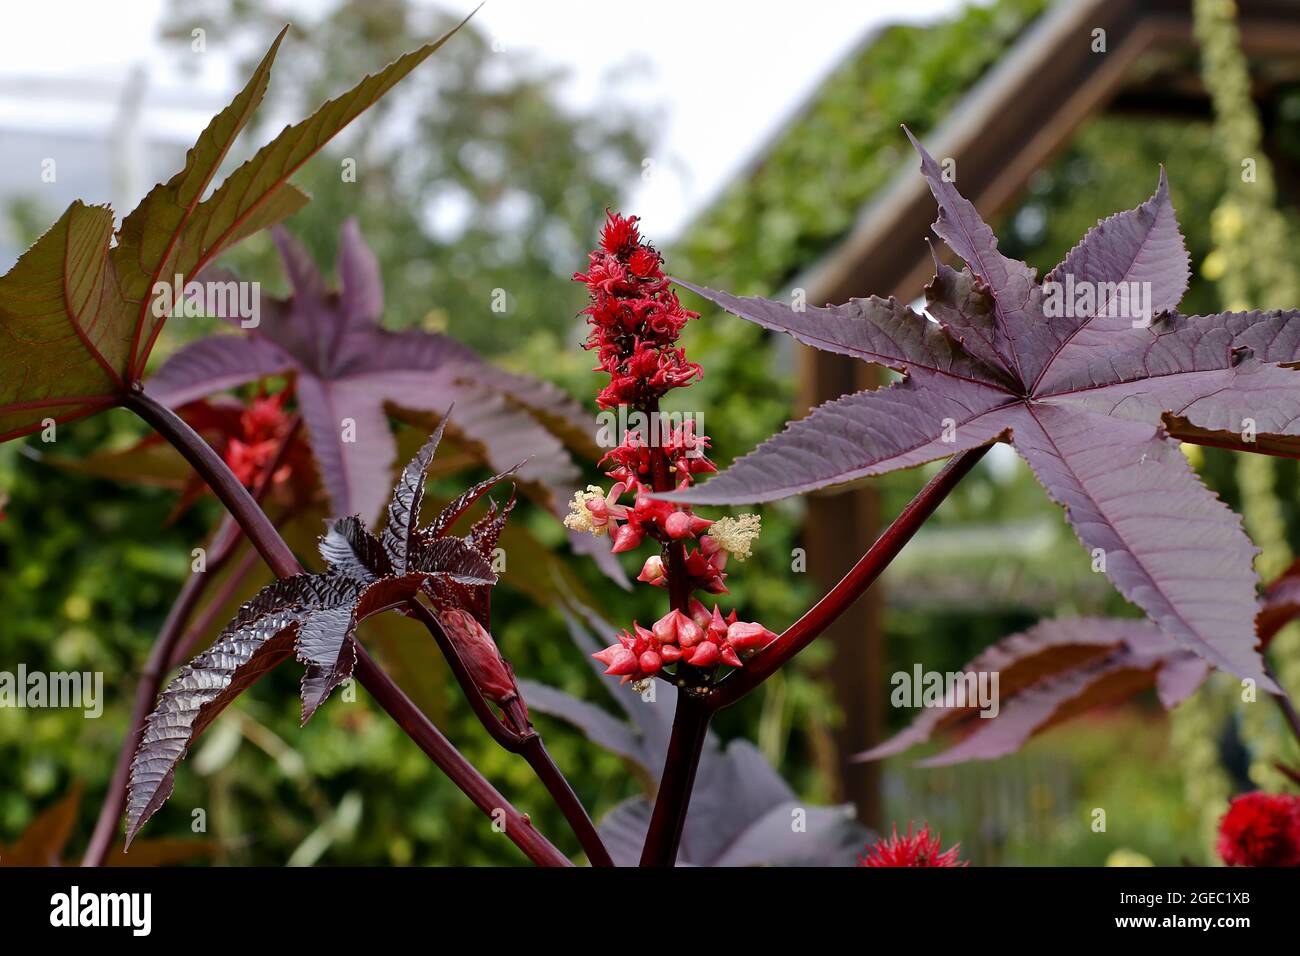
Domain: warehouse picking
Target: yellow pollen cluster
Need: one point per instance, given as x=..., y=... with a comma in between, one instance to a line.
x=579, y=518
x=736, y=535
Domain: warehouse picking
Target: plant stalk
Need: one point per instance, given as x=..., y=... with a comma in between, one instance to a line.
x=518, y=738
x=851, y=587
x=668, y=819
x=518, y=827
x=691, y=718
x=1285, y=705
x=146, y=693
x=162, y=659
x=539, y=758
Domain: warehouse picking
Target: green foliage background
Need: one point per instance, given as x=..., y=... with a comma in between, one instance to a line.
x=88, y=568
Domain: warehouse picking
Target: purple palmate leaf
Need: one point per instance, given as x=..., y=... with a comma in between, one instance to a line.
x=349, y=371
x=1090, y=375
x=1046, y=675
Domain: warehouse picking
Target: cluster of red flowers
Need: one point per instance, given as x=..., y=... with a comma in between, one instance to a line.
x=919, y=849
x=702, y=639
x=262, y=428
x=1261, y=829
x=635, y=318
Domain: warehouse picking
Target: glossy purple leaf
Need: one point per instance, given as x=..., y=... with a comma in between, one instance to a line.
x=404, y=506
x=352, y=550
x=924, y=417
x=315, y=617
x=1092, y=377
x=450, y=514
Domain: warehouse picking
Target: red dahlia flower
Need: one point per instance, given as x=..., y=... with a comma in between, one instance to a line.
x=1261, y=829
x=919, y=849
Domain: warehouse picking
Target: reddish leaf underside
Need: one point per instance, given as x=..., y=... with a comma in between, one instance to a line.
x=1046, y=675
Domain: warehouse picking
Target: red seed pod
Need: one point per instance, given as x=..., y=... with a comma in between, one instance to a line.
x=479, y=652
x=652, y=572
x=683, y=524
x=618, y=660
x=649, y=662
x=665, y=629
x=626, y=538
x=699, y=613
x=688, y=632
x=704, y=655
x=747, y=637
x=717, y=627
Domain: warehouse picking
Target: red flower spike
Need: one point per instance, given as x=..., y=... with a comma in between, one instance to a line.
x=635, y=318
x=920, y=849
x=620, y=235
x=262, y=427
x=1261, y=829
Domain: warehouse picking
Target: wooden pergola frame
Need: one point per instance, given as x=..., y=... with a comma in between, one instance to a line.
x=1012, y=123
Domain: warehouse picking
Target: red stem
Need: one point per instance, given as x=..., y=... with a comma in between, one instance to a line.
x=110, y=811
x=690, y=719
x=851, y=587
x=1284, y=704
x=162, y=656
x=279, y=556
x=207, y=618
x=668, y=819
x=519, y=738
x=518, y=827
x=534, y=751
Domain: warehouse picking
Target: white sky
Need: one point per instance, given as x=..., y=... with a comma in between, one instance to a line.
x=723, y=74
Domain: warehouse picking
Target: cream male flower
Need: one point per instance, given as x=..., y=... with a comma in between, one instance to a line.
x=592, y=510
x=736, y=535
